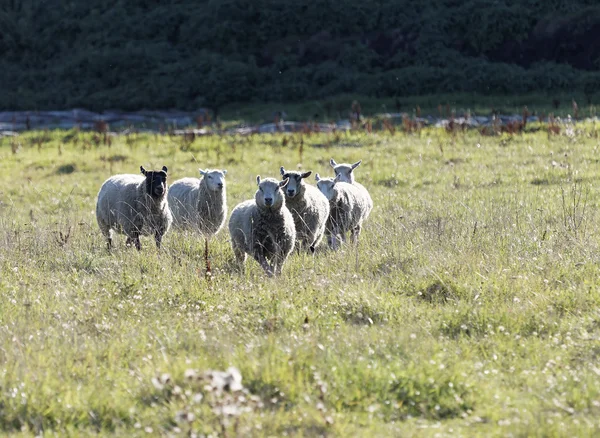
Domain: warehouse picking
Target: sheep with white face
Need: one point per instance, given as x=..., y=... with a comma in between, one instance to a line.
x=200, y=204
x=347, y=209
x=263, y=227
x=346, y=174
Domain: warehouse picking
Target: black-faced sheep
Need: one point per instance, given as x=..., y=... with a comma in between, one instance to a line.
x=134, y=205
x=309, y=207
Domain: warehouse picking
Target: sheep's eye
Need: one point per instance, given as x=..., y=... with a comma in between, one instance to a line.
x=209, y=176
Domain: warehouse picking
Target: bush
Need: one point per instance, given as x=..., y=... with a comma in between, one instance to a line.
x=127, y=54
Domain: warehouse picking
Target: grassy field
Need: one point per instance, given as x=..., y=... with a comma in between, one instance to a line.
x=469, y=308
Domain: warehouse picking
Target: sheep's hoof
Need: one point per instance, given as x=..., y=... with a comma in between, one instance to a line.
x=312, y=249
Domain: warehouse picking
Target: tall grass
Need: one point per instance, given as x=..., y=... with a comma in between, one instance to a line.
x=469, y=307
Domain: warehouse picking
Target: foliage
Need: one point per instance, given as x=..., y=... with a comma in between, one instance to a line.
x=178, y=53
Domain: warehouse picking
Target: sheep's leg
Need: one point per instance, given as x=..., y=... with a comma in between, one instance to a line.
x=262, y=261
x=336, y=238
x=334, y=242
x=158, y=238
x=134, y=238
x=316, y=242
x=329, y=237
x=267, y=268
x=105, y=229
x=108, y=241
x=240, y=255
x=278, y=262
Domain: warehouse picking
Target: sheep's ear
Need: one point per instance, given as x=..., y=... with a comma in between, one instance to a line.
x=165, y=169
x=257, y=179
x=355, y=165
x=332, y=162
x=202, y=172
x=284, y=182
x=143, y=170
x=282, y=171
x=224, y=172
x=317, y=177
x=307, y=174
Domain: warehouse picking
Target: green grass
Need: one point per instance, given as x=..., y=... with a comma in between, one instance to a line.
x=469, y=307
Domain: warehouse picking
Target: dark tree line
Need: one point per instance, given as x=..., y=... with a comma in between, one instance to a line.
x=133, y=54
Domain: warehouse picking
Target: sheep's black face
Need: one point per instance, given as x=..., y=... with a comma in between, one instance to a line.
x=294, y=184
x=156, y=182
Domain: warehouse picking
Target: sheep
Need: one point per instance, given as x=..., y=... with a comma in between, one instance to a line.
x=200, y=204
x=263, y=227
x=309, y=207
x=348, y=209
x=346, y=173
x=134, y=205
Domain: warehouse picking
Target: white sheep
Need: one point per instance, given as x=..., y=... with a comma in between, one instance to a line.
x=199, y=204
x=309, y=207
x=134, y=205
x=345, y=171
x=348, y=209
x=263, y=227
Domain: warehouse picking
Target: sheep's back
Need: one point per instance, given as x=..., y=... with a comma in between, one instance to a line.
x=118, y=195
x=365, y=200
x=183, y=201
x=212, y=209
x=317, y=202
x=240, y=223
x=274, y=231
x=315, y=214
x=346, y=208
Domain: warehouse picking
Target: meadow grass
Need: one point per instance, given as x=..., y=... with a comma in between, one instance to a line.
x=470, y=306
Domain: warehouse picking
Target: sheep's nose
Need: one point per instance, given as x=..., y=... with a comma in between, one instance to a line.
x=291, y=192
x=220, y=185
x=268, y=201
